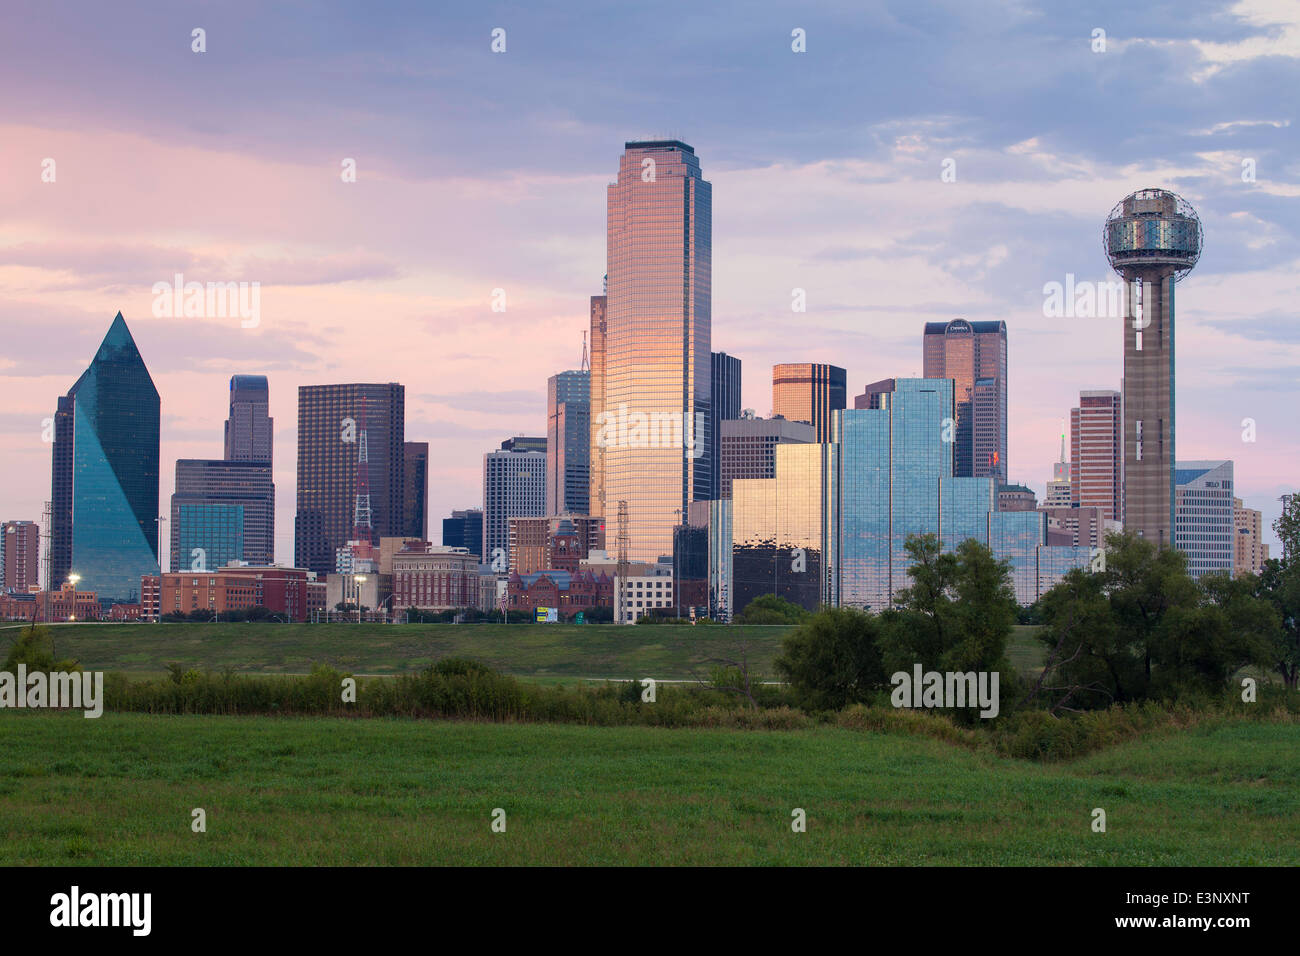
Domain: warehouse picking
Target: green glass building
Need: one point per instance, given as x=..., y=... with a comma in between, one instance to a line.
x=105, y=474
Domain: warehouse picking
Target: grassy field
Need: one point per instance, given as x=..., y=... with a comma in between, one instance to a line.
x=119, y=791
x=538, y=651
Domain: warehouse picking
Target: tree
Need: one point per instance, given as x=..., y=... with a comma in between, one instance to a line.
x=956, y=615
x=1144, y=628
x=833, y=659
x=35, y=649
x=1279, y=585
x=771, y=609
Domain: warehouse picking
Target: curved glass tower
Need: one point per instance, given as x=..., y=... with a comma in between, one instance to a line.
x=105, y=475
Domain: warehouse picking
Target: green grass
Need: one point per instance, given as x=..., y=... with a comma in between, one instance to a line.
x=119, y=791
x=546, y=652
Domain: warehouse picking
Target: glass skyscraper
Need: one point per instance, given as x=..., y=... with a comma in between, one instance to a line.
x=249, y=428
x=225, y=510
x=654, y=418
x=568, y=442
x=809, y=392
x=725, y=389
x=895, y=473
x=331, y=420
x=105, y=473
x=974, y=356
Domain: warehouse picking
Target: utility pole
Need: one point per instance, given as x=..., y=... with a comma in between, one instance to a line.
x=623, y=542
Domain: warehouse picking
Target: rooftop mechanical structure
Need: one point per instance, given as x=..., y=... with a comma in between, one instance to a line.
x=1152, y=238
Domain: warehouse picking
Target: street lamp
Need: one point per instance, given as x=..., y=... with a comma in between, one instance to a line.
x=73, y=578
x=358, y=580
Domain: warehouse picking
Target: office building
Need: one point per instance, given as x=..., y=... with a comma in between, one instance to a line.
x=249, y=427
x=222, y=511
x=1016, y=498
x=747, y=447
x=20, y=554
x=974, y=356
x=781, y=527
x=891, y=477
x=1249, y=552
x=1085, y=527
x=875, y=395
x=464, y=529
x=1153, y=238
x=1060, y=491
x=282, y=591
x=725, y=390
x=809, y=392
x=351, y=468
x=415, y=493
x=1204, y=520
x=553, y=543
x=1097, y=453
x=104, y=485
x=656, y=412
x=514, y=486
x=568, y=442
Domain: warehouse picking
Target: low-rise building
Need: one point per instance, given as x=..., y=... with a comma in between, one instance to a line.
x=435, y=578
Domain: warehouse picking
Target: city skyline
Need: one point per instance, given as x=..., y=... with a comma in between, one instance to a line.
x=857, y=216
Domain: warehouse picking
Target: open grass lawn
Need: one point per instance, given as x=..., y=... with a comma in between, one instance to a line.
x=544, y=651
x=119, y=791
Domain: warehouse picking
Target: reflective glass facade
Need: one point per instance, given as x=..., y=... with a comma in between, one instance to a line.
x=105, y=475
x=656, y=370
x=974, y=356
x=809, y=392
x=214, y=529
x=208, y=495
x=894, y=472
x=779, y=530
x=568, y=442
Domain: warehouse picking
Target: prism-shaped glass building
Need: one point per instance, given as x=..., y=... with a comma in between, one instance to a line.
x=105, y=476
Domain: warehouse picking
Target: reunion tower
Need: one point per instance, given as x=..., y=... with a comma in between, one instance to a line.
x=1152, y=239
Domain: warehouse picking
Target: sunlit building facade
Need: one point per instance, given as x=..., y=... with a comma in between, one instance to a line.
x=1204, y=520
x=654, y=415
x=974, y=356
x=780, y=527
x=809, y=392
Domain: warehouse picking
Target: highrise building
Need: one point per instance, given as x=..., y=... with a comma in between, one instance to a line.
x=726, y=407
x=415, y=493
x=20, y=555
x=335, y=422
x=891, y=477
x=595, y=407
x=568, y=442
x=875, y=395
x=1204, y=522
x=809, y=392
x=1249, y=552
x=104, y=522
x=1096, y=453
x=249, y=428
x=655, y=412
x=1060, y=492
x=781, y=530
x=464, y=529
x=974, y=356
x=222, y=511
x=1153, y=239
x=748, y=447
x=514, y=486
